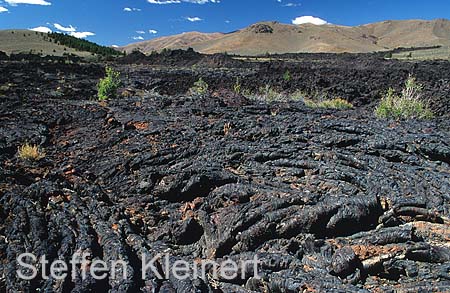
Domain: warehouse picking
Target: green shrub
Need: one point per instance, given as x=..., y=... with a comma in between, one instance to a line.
x=108, y=86
x=287, y=76
x=200, y=87
x=336, y=103
x=408, y=105
x=237, y=87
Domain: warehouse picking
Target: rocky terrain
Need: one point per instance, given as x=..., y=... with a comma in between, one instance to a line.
x=328, y=201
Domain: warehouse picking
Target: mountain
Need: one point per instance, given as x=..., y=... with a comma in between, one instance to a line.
x=275, y=37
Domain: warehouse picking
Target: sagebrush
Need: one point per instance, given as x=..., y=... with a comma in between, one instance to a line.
x=200, y=87
x=408, y=105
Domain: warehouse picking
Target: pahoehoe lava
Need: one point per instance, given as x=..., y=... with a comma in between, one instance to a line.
x=329, y=201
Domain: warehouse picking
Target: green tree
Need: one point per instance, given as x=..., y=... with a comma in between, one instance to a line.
x=287, y=76
x=108, y=86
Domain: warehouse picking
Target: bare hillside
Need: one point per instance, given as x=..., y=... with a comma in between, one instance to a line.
x=274, y=37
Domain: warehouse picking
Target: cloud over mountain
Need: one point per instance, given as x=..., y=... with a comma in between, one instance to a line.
x=81, y=35
x=309, y=19
x=70, y=30
x=64, y=29
x=41, y=29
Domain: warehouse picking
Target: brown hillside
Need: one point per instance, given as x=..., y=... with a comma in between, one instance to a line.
x=181, y=41
x=274, y=37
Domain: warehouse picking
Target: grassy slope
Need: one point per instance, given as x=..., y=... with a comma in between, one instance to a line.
x=426, y=54
x=22, y=41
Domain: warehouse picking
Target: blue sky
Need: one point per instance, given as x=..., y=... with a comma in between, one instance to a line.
x=119, y=22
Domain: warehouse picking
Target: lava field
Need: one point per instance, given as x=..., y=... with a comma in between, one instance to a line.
x=326, y=200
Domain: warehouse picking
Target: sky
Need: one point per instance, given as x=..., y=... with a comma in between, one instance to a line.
x=120, y=22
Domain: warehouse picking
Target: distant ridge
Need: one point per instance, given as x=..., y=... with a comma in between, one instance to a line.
x=275, y=37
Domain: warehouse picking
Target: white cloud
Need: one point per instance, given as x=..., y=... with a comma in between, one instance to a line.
x=153, y=32
x=81, y=35
x=130, y=9
x=64, y=29
x=289, y=4
x=182, y=1
x=140, y=32
x=309, y=19
x=194, y=19
x=3, y=9
x=163, y=1
x=72, y=31
x=140, y=38
x=42, y=29
x=115, y=46
x=32, y=2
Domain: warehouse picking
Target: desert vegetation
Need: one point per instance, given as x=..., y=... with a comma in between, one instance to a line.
x=317, y=100
x=335, y=103
x=199, y=88
x=30, y=152
x=108, y=86
x=237, y=86
x=407, y=105
x=287, y=76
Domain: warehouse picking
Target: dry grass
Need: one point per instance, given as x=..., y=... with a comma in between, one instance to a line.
x=28, y=152
x=266, y=94
x=336, y=103
x=227, y=128
x=22, y=41
x=442, y=53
